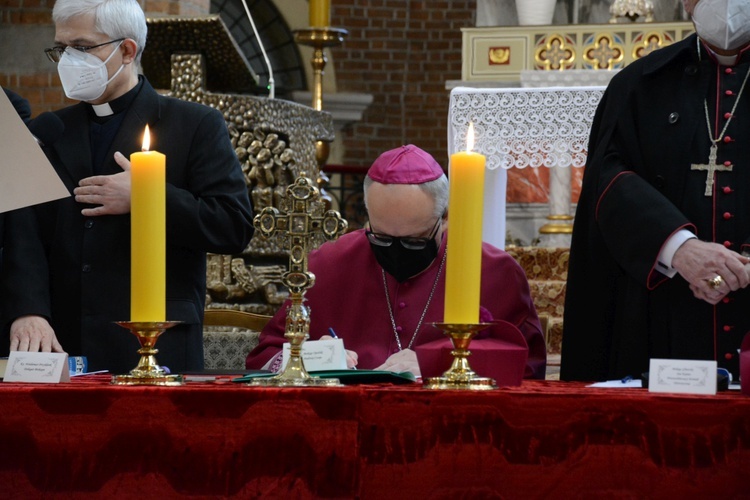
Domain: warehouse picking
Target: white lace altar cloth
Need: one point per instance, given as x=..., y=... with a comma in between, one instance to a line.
x=568, y=78
x=524, y=127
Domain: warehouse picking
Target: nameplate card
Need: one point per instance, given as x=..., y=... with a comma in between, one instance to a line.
x=37, y=367
x=320, y=355
x=683, y=376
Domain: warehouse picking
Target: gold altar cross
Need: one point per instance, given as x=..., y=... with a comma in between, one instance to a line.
x=710, y=168
x=302, y=223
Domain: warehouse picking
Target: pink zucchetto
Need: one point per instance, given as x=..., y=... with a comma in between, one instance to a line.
x=405, y=165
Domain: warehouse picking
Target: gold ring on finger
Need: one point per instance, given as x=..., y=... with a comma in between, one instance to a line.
x=715, y=282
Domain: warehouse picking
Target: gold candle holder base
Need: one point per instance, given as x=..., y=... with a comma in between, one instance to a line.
x=148, y=372
x=290, y=381
x=558, y=224
x=294, y=373
x=460, y=375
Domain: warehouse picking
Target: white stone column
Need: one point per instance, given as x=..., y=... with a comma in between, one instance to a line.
x=559, y=191
x=557, y=231
x=493, y=225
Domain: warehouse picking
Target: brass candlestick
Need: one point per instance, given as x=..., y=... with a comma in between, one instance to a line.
x=302, y=223
x=460, y=375
x=319, y=39
x=148, y=372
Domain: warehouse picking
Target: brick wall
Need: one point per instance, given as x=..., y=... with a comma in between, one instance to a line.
x=26, y=11
x=402, y=52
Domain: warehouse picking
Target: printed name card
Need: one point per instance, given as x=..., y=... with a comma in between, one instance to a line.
x=682, y=376
x=320, y=355
x=37, y=367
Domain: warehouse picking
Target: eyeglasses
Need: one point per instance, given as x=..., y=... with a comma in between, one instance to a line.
x=408, y=242
x=55, y=53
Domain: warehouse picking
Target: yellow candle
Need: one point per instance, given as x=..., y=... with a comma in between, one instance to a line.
x=148, y=245
x=320, y=13
x=464, y=260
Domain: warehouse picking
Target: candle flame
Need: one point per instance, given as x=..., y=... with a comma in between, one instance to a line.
x=470, y=138
x=146, y=140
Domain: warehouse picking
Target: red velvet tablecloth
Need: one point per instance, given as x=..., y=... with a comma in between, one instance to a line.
x=540, y=440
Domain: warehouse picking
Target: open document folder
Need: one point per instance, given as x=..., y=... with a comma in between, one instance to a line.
x=26, y=176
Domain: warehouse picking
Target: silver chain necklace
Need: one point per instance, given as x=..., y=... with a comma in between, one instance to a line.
x=713, y=154
x=421, y=318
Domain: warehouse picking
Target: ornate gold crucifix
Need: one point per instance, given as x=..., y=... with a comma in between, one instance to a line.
x=710, y=168
x=302, y=223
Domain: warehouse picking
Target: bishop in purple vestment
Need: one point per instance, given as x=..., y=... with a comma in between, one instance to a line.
x=381, y=288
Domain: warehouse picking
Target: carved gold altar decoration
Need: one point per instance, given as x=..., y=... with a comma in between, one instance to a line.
x=499, y=54
x=632, y=10
x=196, y=59
x=301, y=224
x=555, y=53
x=605, y=53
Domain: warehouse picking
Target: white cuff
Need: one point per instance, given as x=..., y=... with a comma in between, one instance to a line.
x=664, y=261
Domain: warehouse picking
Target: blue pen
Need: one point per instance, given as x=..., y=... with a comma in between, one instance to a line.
x=626, y=379
x=333, y=334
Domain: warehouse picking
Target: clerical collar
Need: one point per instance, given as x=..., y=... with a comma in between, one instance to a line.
x=102, y=110
x=726, y=60
x=115, y=106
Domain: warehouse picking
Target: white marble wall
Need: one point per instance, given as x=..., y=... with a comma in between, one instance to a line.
x=503, y=12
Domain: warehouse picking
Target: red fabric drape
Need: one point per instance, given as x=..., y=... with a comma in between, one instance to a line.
x=539, y=440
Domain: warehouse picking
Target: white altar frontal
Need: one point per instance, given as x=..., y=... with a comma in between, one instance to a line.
x=521, y=128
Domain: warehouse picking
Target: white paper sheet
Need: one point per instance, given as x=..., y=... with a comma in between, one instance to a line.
x=26, y=176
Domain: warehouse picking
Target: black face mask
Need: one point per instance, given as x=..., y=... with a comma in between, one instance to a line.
x=403, y=263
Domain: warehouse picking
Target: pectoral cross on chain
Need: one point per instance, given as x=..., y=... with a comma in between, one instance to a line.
x=710, y=168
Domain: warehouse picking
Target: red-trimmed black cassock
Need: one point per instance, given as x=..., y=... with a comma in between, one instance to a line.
x=638, y=190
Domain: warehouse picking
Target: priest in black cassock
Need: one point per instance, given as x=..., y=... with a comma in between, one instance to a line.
x=66, y=271
x=658, y=263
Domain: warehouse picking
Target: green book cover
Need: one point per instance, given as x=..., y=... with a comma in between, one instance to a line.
x=348, y=377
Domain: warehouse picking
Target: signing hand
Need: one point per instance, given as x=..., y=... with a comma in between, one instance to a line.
x=352, y=358
x=699, y=261
x=403, y=361
x=110, y=192
x=33, y=334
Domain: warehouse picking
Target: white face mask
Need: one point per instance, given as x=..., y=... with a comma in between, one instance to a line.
x=83, y=75
x=725, y=24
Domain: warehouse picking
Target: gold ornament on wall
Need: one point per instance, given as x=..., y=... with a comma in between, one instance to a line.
x=605, y=53
x=555, y=54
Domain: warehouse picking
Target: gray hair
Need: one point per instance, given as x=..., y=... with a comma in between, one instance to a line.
x=114, y=18
x=437, y=189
